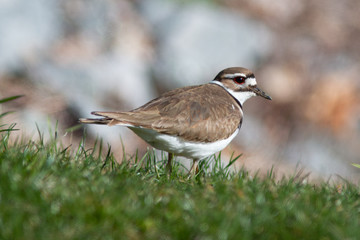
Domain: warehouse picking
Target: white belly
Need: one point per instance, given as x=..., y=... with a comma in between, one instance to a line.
x=179, y=146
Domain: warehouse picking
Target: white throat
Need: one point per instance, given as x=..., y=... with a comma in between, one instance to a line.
x=240, y=96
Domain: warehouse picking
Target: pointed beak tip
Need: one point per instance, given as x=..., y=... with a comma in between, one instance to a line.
x=261, y=93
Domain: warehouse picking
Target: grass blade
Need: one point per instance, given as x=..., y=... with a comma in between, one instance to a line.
x=356, y=165
x=4, y=100
x=9, y=130
x=232, y=161
x=6, y=113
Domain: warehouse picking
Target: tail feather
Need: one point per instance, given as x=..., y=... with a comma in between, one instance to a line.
x=97, y=113
x=105, y=121
x=112, y=115
x=108, y=118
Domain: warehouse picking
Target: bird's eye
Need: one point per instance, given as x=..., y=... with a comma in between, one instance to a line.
x=239, y=80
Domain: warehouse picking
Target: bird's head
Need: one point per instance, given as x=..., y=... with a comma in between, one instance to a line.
x=239, y=82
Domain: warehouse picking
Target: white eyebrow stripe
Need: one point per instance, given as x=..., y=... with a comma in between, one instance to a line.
x=251, y=81
x=232, y=75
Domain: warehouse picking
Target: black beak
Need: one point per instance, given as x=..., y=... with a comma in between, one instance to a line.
x=260, y=93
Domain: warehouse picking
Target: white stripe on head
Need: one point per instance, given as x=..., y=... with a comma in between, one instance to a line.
x=249, y=82
x=232, y=75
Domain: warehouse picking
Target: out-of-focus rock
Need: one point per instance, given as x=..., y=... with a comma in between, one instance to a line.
x=27, y=30
x=333, y=103
x=280, y=12
x=100, y=61
x=196, y=41
x=320, y=153
x=106, y=51
x=284, y=84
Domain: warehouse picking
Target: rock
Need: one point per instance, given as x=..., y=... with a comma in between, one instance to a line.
x=196, y=41
x=27, y=30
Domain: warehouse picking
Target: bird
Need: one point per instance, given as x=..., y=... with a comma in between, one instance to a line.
x=194, y=121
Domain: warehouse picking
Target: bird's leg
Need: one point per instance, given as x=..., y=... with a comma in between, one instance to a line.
x=192, y=167
x=168, y=165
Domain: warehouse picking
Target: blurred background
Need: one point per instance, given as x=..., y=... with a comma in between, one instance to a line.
x=71, y=57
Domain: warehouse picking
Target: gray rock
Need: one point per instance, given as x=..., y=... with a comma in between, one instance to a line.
x=195, y=42
x=321, y=153
x=27, y=29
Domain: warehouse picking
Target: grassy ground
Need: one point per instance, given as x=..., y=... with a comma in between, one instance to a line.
x=48, y=191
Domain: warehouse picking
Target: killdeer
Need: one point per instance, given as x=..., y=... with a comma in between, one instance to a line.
x=195, y=121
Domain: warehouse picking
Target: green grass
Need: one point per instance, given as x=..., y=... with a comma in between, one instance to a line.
x=48, y=191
